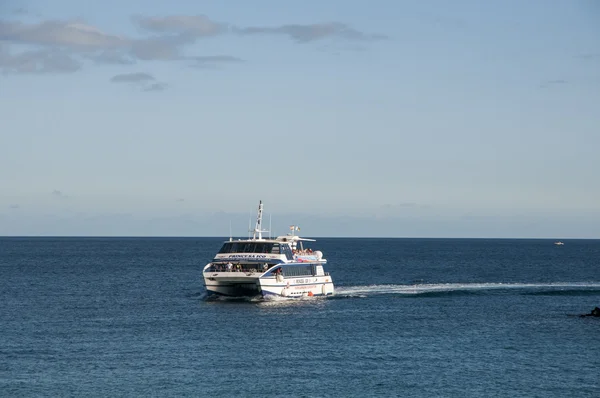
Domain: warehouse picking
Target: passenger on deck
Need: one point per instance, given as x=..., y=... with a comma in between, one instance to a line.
x=278, y=275
x=229, y=267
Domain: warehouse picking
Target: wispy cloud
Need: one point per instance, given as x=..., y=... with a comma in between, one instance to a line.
x=185, y=25
x=551, y=83
x=589, y=56
x=158, y=48
x=58, y=194
x=155, y=87
x=213, y=61
x=112, y=57
x=132, y=78
x=37, y=61
x=74, y=40
x=312, y=32
x=75, y=36
x=14, y=206
x=62, y=46
x=139, y=80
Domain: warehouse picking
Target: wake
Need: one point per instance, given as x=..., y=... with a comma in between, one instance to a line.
x=442, y=289
x=423, y=290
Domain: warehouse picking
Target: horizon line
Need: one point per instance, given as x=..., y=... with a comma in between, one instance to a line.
x=315, y=237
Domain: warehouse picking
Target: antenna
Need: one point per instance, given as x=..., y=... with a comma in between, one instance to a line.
x=257, y=229
x=230, y=235
x=269, y=225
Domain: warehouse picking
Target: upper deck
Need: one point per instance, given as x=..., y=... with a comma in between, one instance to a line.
x=255, y=250
x=281, y=249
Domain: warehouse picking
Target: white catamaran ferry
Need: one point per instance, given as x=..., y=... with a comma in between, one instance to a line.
x=267, y=267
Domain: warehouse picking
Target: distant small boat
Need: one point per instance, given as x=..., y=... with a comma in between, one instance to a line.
x=559, y=243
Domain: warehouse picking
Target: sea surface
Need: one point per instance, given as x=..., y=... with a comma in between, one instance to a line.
x=123, y=317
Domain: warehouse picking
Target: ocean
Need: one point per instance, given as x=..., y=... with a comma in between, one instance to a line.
x=123, y=317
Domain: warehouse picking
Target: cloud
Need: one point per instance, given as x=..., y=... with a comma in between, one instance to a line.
x=132, y=78
x=212, y=61
x=112, y=57
x=185, y=25
x=589, y=56
x=312, y=32
x=58, y=46
x=158, y=48
x=550, y=83
x=174, y=31
x=58, y=194
x=139, y=80
x=75, y=36
x=155, y=87
x=62, y=43
x=14, y=206
x=62, y=46
x=37, y=61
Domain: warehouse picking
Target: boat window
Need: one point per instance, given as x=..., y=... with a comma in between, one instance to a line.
x=254, y=247
x=267, y=248
x=247, y=247
x=297, y=270
x=262, y=247
x=285, y=249
x=258, y=247
x=226, y=248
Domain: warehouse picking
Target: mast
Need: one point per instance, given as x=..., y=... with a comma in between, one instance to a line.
x=257, y=229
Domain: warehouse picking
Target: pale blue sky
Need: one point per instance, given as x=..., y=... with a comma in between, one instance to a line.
x=379, y=118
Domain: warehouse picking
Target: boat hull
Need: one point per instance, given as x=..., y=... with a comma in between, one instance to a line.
x=298, y=287
x=224, y=284
x=268, y=287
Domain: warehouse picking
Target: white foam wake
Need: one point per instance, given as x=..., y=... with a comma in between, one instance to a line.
x=369, y=290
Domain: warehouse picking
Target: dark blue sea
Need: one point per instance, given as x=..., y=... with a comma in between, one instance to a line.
x=123, y=317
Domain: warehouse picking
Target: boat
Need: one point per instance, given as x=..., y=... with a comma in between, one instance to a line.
x=559, y=243
x=268, y=267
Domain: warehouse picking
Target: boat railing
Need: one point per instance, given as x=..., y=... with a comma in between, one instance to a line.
x=305, y=252
x=238, y=267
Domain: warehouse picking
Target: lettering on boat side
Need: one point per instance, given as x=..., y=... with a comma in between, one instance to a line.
x=304, y=287
x=247, y=256
x=307, y=280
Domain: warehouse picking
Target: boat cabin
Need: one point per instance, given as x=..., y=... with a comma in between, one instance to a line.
x=254, y=247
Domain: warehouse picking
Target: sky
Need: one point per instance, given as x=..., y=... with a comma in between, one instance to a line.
x=386, y=118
